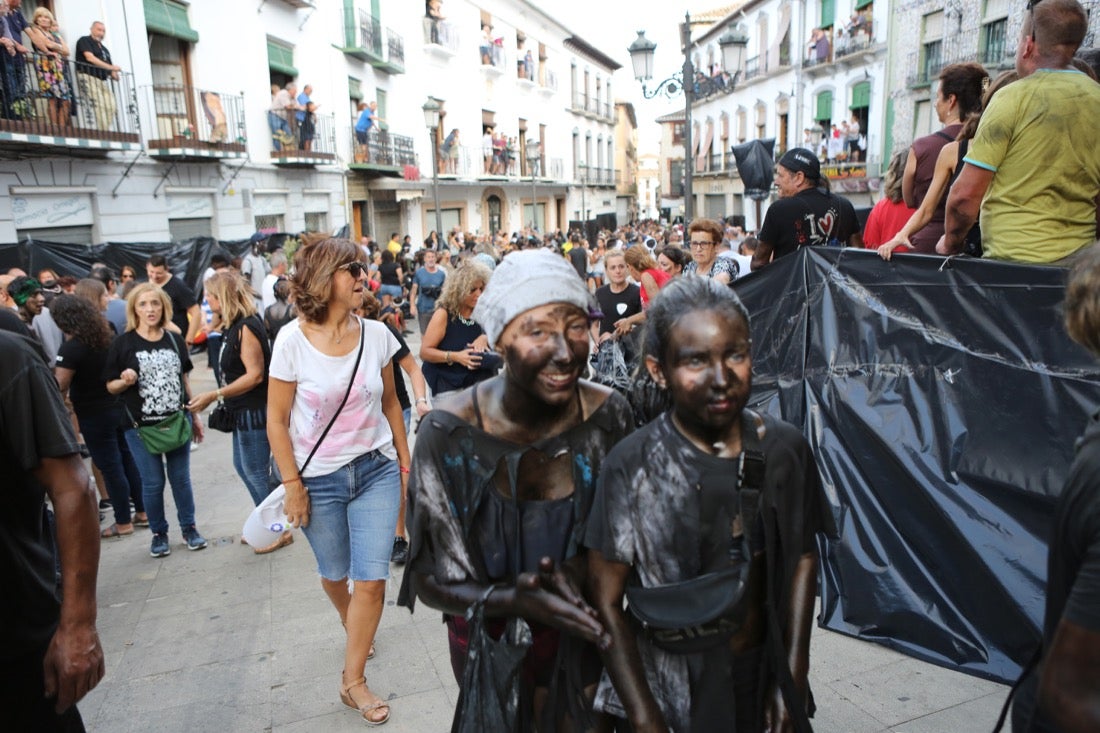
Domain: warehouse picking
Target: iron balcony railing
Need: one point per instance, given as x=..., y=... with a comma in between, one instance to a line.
x=191, y=117
x=35, y=100
x=312, y=139
x=441, y=33
x=363, y=31
x=383, y=148
x=548, y=80
x=752, y=68
x=492, y=56
x=927, y=63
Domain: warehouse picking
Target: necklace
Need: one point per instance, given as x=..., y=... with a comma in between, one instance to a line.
x=465, y=321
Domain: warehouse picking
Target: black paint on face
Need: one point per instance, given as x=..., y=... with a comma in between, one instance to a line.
x=707, y=367
x=546, y=351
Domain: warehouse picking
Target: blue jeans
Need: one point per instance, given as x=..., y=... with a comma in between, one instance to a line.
x=252, y=459
x=277, y=123
x=353, y=511
x=152, y=469
x=104, y=434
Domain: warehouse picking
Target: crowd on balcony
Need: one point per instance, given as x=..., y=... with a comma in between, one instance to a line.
x=43, y=81
x=292, y=118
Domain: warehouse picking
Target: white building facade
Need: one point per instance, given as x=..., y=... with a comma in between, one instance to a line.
x=181, y=145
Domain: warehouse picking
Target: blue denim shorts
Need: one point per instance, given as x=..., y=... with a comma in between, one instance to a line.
x=394, y=291
x=353, y=515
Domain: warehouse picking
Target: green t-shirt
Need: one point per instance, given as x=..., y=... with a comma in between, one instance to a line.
x=1040, y=137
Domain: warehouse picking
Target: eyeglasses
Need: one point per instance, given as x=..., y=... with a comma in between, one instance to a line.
x=355, y=269
x=707, y=243
x=1031, y=10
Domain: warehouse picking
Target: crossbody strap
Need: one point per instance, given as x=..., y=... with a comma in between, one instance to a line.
x=347, y=392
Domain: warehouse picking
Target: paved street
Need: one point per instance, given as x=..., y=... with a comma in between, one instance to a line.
x=225, y=640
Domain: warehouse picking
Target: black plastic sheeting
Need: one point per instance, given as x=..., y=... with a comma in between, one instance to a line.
x=187, y=258
x=756, y=166
x=942, y=404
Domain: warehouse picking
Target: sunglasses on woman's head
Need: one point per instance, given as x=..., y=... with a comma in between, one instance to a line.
x=355, y=268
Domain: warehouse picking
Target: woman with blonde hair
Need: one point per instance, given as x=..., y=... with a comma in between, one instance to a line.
x=338, y=437
x=455, y=350
x=244, y=358
x=148, y=366
x=643, y=268
x=890, y=212
x=49, y=64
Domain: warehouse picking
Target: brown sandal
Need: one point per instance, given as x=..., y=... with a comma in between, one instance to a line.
x=366, y=708
x=286, y=538
x=113, y=532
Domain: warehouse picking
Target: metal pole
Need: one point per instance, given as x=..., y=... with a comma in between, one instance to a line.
x=689, y=97
x=440, y=238
x=584, y=209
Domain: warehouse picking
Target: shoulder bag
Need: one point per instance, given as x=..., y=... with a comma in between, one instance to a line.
x=274, y=479
x=171, y=432
x=699, y=613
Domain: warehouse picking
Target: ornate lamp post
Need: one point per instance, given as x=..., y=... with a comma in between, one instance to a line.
x=733, y=43
x=431, y=120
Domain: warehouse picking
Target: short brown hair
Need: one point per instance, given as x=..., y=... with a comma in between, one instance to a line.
x=710, y=226
x=1059, y=26
x=234, y=295
x=315, y=266
x=1082, y=304
x=966, y=82
x=131, y=304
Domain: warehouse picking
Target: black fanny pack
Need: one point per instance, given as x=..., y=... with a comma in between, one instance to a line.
x=432, y=293
x=696, y=614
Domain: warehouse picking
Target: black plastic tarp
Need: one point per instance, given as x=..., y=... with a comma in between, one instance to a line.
x=187, y=258
x=942, y=402
x=756, y=166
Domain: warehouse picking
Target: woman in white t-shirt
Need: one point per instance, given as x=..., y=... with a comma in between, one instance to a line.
x=346, y=499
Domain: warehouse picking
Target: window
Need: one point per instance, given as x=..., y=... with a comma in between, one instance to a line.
x=828, y=13
x=675, y=178
x=174, y=105
x=824, y=108
x=380, y=98
x=742, y=125
x=183, y=229
x=677, y=133
x=316, y=221
x=270, y=223
x=993, y=41
x=922, y=118
x=63, y=235
x=931, y=55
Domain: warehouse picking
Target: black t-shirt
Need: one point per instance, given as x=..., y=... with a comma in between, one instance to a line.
x=182, y=298
x=388, y=270
x=88, y=390
x=398, y=379
x=34, y=424
x=87, y=44
x=578, y=257
x=811, y=217
x=158, y=392
x=1073, y=566
x=615, y=306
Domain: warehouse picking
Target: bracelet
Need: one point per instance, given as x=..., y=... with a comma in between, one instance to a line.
x=403, y=469
x=421, y=399
x=295, y=480
x=449, y=360
x=221, y=397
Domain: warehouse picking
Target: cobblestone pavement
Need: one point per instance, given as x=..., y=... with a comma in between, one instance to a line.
x=226, y=640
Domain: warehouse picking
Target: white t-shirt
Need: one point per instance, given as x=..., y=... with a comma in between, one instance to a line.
x=321, y=383
x=267, y=291
x=744, y=262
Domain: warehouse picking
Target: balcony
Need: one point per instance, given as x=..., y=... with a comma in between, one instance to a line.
x=196, y=124
x=548, y=81
x=752, y=68
x=365, y=39
x=599, y=177
x=930, y=61
x=492, y=59
x=440, y=37
x=383, y=151
x=307, y=145
x=105, y=119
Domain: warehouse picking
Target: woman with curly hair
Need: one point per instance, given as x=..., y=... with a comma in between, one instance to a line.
x=331, y=370
x=455, y=350
x=79, y=371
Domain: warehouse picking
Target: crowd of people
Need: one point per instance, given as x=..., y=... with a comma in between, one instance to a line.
x=558, y=526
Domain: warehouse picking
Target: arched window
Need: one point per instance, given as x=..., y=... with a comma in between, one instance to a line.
x=495, y=222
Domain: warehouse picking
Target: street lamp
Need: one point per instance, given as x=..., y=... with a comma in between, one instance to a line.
x=533, y=166
x=733, y=43
x=431, y=119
